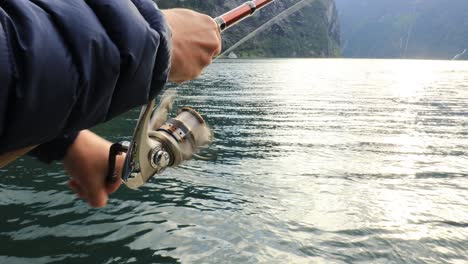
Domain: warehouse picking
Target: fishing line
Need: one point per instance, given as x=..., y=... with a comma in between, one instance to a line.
x=155, y=147
x=286, y=13
x=291, y=10
x=160, y=114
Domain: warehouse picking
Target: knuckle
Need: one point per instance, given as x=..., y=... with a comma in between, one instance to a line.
x=207, y=18
x=215, y=46
x=194, y=75
x=205, y=61
x=218, y=49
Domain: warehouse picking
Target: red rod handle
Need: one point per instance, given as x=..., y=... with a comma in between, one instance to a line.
x=239, y=13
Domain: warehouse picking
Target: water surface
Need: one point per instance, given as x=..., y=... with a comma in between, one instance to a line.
x=317, y=161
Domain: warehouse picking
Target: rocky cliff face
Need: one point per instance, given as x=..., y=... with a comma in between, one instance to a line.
x=311, y=31
x=429, y=29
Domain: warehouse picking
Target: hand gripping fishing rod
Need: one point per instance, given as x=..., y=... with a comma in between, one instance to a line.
x=152, y=150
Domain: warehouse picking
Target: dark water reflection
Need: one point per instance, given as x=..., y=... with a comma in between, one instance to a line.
x=314, y=161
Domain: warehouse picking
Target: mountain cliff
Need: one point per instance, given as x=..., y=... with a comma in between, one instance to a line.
x=429, y=29
x=312, y=31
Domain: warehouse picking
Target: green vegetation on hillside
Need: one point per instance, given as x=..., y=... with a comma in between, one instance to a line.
x=313, y=31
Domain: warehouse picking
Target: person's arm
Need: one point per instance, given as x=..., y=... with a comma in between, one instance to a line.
x=69, y=65
x=86, y=159
x=66, y=66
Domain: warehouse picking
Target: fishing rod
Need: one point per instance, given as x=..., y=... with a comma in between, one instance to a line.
x=152, y=150
x=240, y=13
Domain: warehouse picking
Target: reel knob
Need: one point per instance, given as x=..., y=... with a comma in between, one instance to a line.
x=152, y=151
x=161, y=159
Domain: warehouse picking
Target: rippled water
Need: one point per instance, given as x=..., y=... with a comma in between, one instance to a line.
x=332, y=161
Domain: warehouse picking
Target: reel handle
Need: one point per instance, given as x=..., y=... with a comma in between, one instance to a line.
x=115, y=150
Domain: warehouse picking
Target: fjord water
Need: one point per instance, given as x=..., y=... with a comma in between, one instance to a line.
x=314, y=161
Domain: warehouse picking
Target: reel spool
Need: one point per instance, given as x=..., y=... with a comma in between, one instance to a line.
x=152, y=151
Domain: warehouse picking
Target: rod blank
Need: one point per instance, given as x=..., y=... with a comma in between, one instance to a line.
x=239, y=13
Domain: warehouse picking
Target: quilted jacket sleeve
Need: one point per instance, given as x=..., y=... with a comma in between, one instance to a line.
x=69, y=65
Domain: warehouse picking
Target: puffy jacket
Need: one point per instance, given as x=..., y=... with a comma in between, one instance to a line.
x=67, y=65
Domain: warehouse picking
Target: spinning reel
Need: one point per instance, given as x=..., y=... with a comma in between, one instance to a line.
x=152, y=150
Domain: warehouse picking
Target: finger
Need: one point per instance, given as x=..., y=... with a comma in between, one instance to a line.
x=75, y=186
x=220, y=40
x=217, y=50
x=204, y=60
x=218, y=27
x=97, y=199
x=112, y=187
x=96, y=193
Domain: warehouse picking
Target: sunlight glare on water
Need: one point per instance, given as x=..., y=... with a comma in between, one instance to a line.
x=317, y=161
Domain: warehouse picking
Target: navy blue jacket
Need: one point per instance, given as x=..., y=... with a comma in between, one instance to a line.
x=67, y=65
